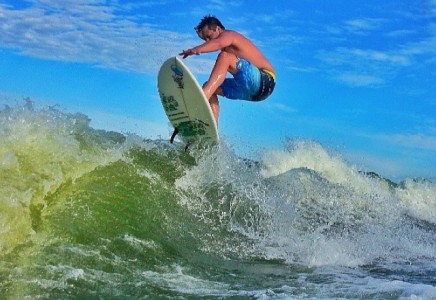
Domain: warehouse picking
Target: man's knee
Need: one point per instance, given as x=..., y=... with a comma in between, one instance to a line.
x=225, y=56
x=217, y=92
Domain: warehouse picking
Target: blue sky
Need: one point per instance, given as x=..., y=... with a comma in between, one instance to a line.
x=356, y=76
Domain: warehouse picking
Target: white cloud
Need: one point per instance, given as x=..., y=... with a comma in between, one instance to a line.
x=433, y=7
x=358, y=26
x=419, y=141
x=356, y=79
x=87, y=31
x=295, y=66
x=219, y=5
x=373, y=61
x=382, y=165
x=400, y=33
x=399, y=158
x=358, y=67
x=368, y=67
x=425, y=46
x=380, y=56
x=281, y=107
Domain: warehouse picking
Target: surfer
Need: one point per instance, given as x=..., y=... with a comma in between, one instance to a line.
x=253, y=75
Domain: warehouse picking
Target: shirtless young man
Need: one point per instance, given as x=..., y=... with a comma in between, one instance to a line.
x=253, y=75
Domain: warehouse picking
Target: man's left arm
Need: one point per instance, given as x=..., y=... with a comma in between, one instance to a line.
x=224, y=40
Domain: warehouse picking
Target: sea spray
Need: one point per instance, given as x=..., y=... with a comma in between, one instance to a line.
x=223, y=191
x=88, y=213
x=336, y=215
x=419, y=196
x=40, y=151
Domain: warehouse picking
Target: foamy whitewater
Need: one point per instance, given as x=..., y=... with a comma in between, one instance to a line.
x=92, y=214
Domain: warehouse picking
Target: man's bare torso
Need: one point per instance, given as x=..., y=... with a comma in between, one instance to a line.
x=244, y=48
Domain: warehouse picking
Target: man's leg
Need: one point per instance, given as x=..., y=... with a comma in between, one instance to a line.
x=215, y=106
x=225, y=62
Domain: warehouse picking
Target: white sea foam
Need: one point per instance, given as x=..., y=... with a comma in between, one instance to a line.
x=321, y=211
x=420, y=199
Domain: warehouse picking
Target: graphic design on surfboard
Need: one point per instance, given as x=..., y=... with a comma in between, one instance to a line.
x=185, y=104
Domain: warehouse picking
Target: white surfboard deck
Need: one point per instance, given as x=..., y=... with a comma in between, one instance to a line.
x=185, y=103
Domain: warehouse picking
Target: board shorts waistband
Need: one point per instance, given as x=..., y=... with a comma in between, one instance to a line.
x=267, y=85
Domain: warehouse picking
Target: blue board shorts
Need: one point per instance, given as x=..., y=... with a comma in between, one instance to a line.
x=250, y=83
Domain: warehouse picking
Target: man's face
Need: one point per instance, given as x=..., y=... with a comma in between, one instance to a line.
x=207, y=34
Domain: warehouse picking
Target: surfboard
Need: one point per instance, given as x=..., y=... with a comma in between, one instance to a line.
x=185, y=104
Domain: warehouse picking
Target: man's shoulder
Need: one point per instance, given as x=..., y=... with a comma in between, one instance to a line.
x=230, y=32
x=231, y=35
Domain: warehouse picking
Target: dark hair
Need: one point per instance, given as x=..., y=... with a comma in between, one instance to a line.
x=210, y=21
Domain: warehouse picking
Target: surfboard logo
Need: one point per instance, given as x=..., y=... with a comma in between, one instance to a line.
x=177, y=70
x=178, y=76
x=192, y=128
x=169, y=103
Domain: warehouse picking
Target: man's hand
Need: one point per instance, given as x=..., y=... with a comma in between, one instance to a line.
x=188, y=52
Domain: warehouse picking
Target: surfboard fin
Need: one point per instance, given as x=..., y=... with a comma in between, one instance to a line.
x=173, y=136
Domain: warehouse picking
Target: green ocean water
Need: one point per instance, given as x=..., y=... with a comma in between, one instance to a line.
x=92, y=214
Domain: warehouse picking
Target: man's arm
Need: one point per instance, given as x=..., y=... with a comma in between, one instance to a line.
x=224, y=40
x=188, y=52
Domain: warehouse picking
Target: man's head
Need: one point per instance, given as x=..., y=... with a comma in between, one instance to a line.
x=209, y=28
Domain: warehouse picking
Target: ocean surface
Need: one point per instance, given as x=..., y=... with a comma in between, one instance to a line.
x=92, y=214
